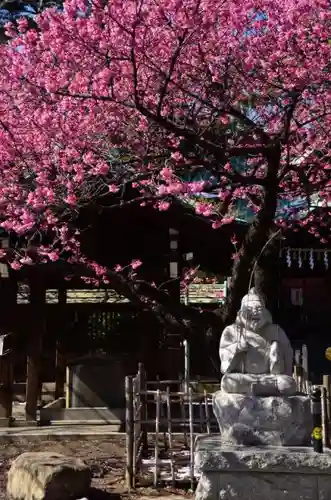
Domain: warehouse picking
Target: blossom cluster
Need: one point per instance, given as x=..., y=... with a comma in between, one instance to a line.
x=183, y=86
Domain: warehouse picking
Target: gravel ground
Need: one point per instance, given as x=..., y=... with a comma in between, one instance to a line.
x=106, y=457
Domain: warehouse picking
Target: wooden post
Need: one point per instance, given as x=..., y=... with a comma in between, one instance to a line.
x=305, y=371
x=325, y=430
x=156, y=444
x=68, y=390
x=34, y=352
x=191, y=417
x=6, y=388
x=143, y=414
x=207, y=412
x=187, y=374
x=326, y=384
x=129, y=430
x=297, y=375
x=60, y=370
x=60, y=361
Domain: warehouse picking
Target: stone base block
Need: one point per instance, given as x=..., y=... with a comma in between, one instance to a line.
x=255, y=420
x=272, y=473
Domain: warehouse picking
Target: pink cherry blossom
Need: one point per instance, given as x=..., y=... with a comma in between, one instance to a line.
x=166, y=173
x=177, y=156
x=16, y=265
x=204, y=208
x=53, y=256
x=163, y=205
x=135, y=264
x=26, y=260
x=175, y=99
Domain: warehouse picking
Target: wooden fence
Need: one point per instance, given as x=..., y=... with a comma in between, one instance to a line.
x=162, y=422
x=164, y=417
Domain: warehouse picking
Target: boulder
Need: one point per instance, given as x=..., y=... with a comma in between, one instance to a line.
x=48, y=476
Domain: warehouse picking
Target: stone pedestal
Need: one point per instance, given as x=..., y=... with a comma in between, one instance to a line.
x=254, y=420
x=249, y=473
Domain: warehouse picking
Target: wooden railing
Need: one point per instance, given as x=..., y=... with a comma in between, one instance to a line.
x=162, y=422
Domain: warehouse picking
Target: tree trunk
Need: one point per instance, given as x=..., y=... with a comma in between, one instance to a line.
x=266, y=274
x=255, y=239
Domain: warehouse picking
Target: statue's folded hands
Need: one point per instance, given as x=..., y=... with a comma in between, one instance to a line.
x=276, y=359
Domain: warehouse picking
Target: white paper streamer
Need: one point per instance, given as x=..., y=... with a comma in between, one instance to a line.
x=299, y=259
x=288, y=258
x=311, y=259
x=326, y=260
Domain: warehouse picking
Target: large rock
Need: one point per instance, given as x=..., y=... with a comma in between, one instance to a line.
x=272, y=473
x=253, y=420
x=48, y=476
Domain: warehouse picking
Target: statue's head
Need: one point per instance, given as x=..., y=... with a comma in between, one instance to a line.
x=253, y=314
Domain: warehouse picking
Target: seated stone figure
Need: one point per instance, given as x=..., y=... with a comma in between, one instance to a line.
x=256, y=355
x=258, y=403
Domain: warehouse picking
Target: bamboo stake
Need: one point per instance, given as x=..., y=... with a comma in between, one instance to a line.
x=183, y=419
x=191, y=438
x=157, y=429
x=186, y=365
x=172, y=468
x=326, y=383
x=169, y=419
x=296, y=376
x=207, y=411
x=324, y=418
x=305, y=368
x=136, y=419
x=179, y=381
x=129, y=422
x=201, y=416
x=144, y=416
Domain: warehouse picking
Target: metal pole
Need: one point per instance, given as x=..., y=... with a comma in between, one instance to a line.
x=186, y=365
x=191, y=417
x=129, y=423
x=316, y=409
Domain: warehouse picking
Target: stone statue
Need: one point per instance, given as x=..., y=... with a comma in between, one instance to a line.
x=265, y=424
x=258, y=401
x=256, y=355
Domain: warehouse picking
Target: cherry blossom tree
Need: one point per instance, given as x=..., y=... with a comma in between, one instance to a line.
x=106, y=95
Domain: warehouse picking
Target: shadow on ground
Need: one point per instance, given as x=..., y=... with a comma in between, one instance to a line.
x=96, y=494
